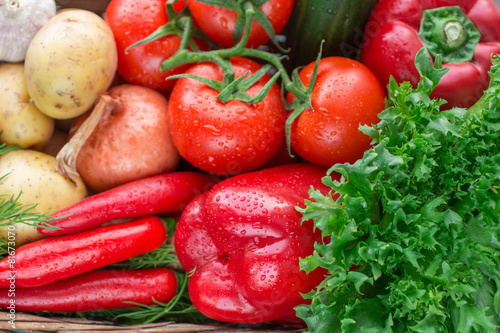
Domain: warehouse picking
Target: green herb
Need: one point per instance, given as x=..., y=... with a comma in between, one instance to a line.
x=12, y=211
x=179, y=309
x=4, y=248
x=415, y=233
x=164, y=256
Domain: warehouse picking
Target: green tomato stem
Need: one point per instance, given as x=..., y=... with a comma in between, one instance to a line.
x=186, y=36
x=183, y=57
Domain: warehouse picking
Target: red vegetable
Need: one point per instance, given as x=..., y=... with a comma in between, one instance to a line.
x=164, y=193
x=464, y=32
x=346, y=94
x=219, y=23
x=132, y=21
x=56, y=258
x=95, y=290
x=225, y=138
x=243, y=240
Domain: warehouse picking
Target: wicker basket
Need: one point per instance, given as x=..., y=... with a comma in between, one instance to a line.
x=25, y=322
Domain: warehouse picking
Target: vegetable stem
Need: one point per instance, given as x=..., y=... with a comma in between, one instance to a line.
x=67, y=156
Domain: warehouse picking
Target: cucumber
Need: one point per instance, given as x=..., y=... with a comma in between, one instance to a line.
x=339, y=22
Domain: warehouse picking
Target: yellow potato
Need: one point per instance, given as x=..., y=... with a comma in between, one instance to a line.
x=21, y=123
x=71, y=60
x=33, y=174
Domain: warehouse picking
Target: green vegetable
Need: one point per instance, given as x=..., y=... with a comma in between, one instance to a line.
x=340, y=23
x=415, y=233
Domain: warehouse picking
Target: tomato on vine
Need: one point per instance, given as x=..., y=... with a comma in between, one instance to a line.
x=132, y=21
x=225, y=24
x=229, y=137
x=345, y=94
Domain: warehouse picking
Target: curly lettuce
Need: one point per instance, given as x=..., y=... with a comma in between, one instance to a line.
x=415, y=233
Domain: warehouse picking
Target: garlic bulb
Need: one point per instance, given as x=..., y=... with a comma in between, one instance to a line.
x=19, y=21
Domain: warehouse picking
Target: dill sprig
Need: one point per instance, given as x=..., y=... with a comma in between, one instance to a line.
x=164, y=256
x=178, y=309
x=13, y=211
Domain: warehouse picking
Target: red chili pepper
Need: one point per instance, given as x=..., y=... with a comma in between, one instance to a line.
x=243, y=239
x=95, y=290
x=464, y=32
x=56, y=258
x=164, y=193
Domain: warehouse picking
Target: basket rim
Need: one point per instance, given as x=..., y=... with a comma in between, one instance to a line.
x=23, y=322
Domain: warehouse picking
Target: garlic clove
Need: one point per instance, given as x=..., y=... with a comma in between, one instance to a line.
x=19, y=22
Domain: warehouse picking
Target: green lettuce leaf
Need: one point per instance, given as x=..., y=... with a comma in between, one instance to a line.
x=415, y=233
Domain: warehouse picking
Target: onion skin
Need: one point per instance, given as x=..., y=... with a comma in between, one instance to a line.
x=132, y=143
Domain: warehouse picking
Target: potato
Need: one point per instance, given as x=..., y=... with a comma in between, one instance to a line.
x=71, y=60
x=21, y=123
x=33, y=174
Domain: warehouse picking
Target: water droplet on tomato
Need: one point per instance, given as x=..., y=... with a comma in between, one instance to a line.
x=223, y=22
x=212, y=130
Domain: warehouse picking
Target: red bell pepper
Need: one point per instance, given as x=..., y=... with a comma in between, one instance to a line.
x=56, y=258
x=242, y=241
x=464, y=32
x=95, y=290
x=164, y=193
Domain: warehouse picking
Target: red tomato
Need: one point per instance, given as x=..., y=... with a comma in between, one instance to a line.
x=133, y=20
x=346, y=94
x=225, y=138
x=218, y=23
